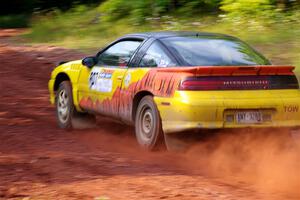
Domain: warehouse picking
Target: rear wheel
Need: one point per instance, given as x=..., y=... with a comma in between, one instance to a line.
x=148, y=129
x=67, y=116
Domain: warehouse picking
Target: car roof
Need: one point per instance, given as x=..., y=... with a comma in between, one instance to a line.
x=166, y=34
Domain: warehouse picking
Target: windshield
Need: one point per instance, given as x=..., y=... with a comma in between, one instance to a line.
x=214, y=51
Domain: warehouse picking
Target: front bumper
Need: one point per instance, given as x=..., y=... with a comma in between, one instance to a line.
x=208, y=109
x=51, y=90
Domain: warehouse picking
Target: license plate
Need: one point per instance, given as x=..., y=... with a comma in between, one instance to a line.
x=249, y=117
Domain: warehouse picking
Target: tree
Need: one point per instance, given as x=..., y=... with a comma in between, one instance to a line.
x=246, y=7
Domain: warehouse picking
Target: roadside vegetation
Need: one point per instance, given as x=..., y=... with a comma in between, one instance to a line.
x=272, y=26
x=14, y=21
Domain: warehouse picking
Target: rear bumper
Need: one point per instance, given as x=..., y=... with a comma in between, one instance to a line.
x=208, y=109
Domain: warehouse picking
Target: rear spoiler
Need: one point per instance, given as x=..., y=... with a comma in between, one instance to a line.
x=232, y=70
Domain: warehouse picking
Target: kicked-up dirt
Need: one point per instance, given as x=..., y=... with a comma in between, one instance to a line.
x=40, y=161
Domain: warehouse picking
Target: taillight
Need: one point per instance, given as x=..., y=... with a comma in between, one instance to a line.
x=239, y=82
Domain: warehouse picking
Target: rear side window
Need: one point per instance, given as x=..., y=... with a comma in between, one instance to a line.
x=155, y=56
x=118, y=54
x=214, y=51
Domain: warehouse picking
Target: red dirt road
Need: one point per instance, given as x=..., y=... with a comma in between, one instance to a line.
x=40, y=161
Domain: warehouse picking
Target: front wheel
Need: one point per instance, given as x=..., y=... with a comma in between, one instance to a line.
x=67, y=116
x=148, y=129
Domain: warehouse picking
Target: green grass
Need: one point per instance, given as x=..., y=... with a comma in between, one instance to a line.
x=85, y=29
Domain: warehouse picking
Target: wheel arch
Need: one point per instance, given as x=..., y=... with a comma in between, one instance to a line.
x=62, y=76
x=136, y=100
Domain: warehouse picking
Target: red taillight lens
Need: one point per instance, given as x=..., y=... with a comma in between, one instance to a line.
x=201, y=85
x=239, y=83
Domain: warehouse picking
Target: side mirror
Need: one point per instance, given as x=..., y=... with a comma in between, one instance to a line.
x=89, y=61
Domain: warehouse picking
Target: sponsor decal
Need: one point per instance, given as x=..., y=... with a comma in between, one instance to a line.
x=127, y=80
x=291, y=108
x=101, y=80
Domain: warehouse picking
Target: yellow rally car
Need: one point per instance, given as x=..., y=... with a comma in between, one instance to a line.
x=168, y=82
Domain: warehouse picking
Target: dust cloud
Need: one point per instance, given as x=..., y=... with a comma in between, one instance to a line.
x=269, y=159
x=266, y=160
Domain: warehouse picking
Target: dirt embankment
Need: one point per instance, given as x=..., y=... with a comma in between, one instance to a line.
x=40, y=161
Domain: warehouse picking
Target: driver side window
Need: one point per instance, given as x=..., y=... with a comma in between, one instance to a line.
x=119, y=54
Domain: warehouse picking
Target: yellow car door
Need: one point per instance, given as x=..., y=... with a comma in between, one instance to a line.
x=99, y=86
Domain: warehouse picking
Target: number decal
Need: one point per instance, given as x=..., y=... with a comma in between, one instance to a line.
x=101, y=80
x=93, y=80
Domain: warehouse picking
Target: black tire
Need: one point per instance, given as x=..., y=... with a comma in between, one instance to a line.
x=67, y=116
x=64, y=105
x=148, y=129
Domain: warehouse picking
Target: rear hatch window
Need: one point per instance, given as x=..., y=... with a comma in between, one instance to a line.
x=214, y=51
